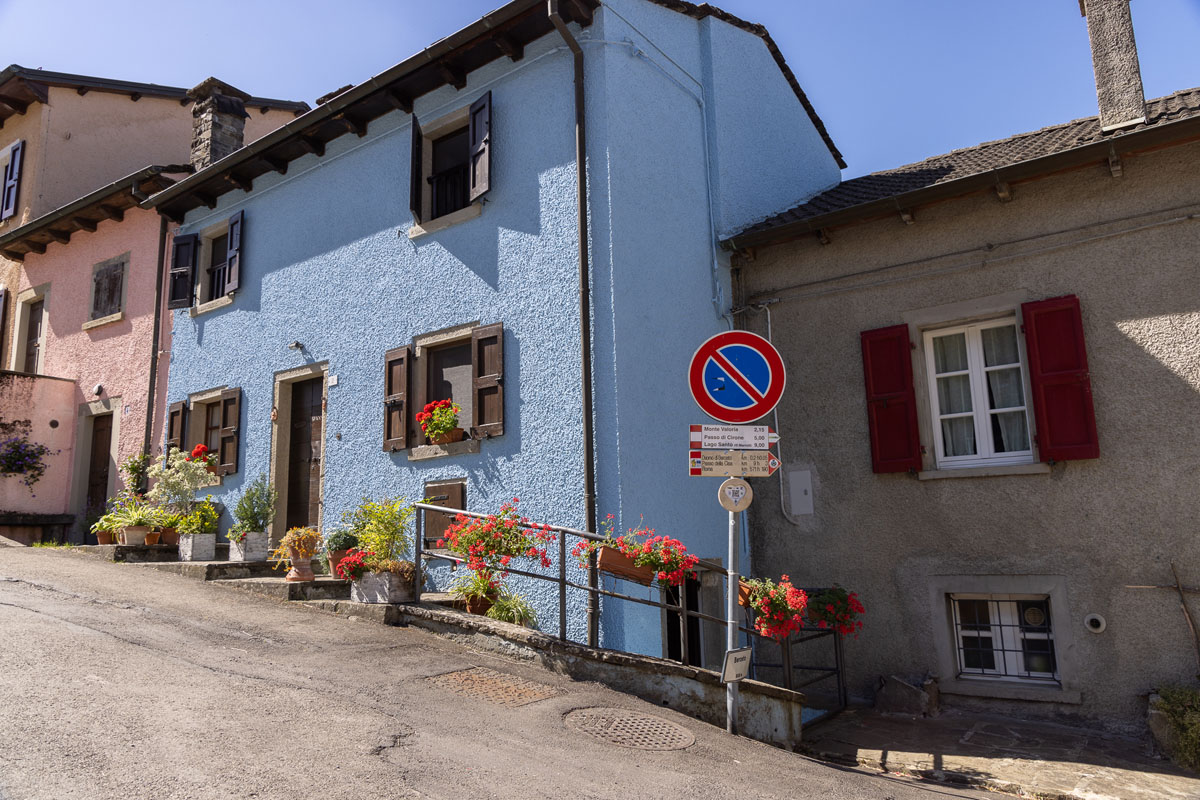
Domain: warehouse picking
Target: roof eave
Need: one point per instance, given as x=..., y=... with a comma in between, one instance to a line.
x=1075, y=157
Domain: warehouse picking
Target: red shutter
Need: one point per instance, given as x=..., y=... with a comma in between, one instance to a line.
x=479, y=138
x=891, y=402
x=1059, y=380
x=487, y=363
x=183, y=271
x=233, y=252
x=12, y=182
x=231, y=414
x=395, y=399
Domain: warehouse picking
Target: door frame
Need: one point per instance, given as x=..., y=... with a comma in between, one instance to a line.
x=84, y=423
x=281, y=439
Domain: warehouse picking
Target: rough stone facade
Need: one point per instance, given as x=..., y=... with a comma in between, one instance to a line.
x=218, y=121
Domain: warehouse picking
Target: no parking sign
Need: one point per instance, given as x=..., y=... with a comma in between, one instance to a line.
x=737, y=377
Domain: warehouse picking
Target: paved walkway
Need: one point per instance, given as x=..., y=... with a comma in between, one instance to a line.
x=1031, y=759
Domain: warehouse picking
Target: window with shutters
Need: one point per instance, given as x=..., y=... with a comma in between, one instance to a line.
x=978, y=391
x=451, y=166
x=206, y=267
x=464, y=364
x=211, y=418
x=12, y=159
x=108, y=287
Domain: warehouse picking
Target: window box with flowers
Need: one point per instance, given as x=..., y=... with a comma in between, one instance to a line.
x=638, y=555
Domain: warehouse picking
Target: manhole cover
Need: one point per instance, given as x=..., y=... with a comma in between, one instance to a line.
x=630, y=728
x=495, y=687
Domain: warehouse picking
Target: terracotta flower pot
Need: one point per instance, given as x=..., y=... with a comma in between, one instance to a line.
x=152, y=537
x=479, y=605
x=453, y=435
x=614, y=562
x=301, y=567
x=104, y=537
x=743, y=594
x=169, y=536
x=335, y=557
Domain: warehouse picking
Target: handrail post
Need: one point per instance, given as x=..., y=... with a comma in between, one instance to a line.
x=841, y=678
x=786, y=644
x=683, y=623
x=562, y=587
x=593, y=608
x=418, y=579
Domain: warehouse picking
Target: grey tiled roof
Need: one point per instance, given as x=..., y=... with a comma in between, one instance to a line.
x=978, y=159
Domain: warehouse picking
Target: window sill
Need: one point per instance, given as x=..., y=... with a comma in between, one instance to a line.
x=102, y=321
x=1010, y=690
x=445, y=221
x=1037, y=468
x=211, y=305
x=427, y=451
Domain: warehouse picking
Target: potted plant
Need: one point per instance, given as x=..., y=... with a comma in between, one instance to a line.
x=152, y=535
x=778, y=607
x=176, y=478
x=201, y=455
x=512, y=607
x=169, y=527
x=837, y=609
x=337, y=546
x=488, y=544
x=134, y=470
x=627, y=556
x=439, y=422
x=198, y=533
x=105, y=529
x=135, y=517
x=252, y=517
x=297, y=549
x=378, y=567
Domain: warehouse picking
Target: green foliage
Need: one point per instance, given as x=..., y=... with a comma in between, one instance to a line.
x=256, y=507
x=511, y=607
x=107, y=523
x=134, y=470
x=476, y=584
x=176, y=480
x=203, y=519
x=49, y=544
x=133, y=511
x=382, y=528
x=1182, y=707
x=305, y=541
x=340, y=539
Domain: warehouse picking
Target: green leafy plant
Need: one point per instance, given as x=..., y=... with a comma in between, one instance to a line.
x=439, y=417
x=511, y=607
x=203, y=519
x=1182, y=707
x=306, y=543
x=340, y=539
x=169, y=519
x=477, y=584
x=255, y=508
x=176, y=479
x=134, y=470
x=382, y=529
x=132, y=511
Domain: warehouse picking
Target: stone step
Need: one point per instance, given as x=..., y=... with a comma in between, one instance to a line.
x=130, y=553
x=323, y=588
x=218, y=570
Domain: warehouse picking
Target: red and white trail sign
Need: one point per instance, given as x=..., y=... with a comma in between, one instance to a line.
x=731, y=437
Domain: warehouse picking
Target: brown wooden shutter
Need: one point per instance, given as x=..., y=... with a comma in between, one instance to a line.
x=233, y=253
x=12, y=181
x=415, y=186
x=3, y=323
x=436, y=522
x=479, y=138
x=183, y=271
x=891, y=401
x=106, y=290
x=231, y=414
x=487, y=362
x=395, y=399
x=176, y=423
x=1059, y=380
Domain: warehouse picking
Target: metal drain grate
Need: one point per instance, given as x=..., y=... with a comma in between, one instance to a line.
x=494, y=687
x=630, y=728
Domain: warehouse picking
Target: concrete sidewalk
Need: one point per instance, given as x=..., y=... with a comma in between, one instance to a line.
x=1030, y=759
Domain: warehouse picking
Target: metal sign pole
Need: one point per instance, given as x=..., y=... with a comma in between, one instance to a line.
x=731, y=635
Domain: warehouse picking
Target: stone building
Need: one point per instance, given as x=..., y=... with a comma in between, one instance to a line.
x=994, y=368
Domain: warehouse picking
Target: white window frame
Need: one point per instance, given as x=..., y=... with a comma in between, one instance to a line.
x=1007, y=648
x=985, y=454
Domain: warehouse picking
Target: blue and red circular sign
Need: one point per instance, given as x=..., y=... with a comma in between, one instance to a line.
x=737, y=377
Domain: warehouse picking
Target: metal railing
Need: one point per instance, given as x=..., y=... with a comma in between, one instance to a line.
x=764, y=670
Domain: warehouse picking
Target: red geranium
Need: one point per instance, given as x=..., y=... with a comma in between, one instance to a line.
x=352, y=567
x=490, y=543
x=778, y=607
x=838, y=609
x=438, y=417
x=200, y=453
x=667, y=557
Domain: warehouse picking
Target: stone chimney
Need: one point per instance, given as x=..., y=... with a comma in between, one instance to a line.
x=1115, y=61
x=218, y=119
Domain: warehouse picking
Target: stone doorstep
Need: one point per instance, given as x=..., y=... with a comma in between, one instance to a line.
x=323, y=588
x=130, y=553
x=220, y=570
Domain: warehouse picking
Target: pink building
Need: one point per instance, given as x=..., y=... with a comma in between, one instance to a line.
x=83, y=330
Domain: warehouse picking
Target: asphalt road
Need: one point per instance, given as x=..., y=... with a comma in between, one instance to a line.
x=119, y=681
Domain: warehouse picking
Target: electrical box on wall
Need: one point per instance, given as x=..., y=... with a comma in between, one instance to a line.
x=800, y=496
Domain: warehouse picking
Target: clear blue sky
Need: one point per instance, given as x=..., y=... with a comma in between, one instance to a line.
x=894, y=80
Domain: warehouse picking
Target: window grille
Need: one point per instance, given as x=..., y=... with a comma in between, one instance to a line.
x=1004, y=637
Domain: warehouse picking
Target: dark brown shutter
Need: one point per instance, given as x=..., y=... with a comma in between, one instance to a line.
x=1059, y=380
x=891, y=401
x=106, y=290
x=12, y=181
x=233, y=253
x=395, y=399
x=183, y=271
x=176, y=422
x=455, y=496
x=231, y=414
x=487, y=362
x=3, y=323
x=415, y=186
x=479, y=137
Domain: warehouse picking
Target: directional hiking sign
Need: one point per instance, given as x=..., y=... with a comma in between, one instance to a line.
x=736, y=377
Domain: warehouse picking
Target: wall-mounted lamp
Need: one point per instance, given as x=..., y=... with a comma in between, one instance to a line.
x=98, y=390
x=295, y=346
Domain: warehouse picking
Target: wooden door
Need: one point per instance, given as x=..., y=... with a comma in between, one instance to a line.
x=97, y=481
x=33, y=337
x=304, y=454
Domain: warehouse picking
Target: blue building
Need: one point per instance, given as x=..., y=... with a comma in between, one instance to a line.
x=418, y=236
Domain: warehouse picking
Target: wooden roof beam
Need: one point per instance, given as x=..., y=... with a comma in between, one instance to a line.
x=399, y=100
x=62, y=237
x=112, y=212
x=205, y=199
x=242, y=183
x=35, y=247
x=581, y=12
x=354, y=125
x=510, y=47
x=16, y=104
x=312, y=145
x=84, y=224
x=453, y=74
x=278, y=164
x=14, y=255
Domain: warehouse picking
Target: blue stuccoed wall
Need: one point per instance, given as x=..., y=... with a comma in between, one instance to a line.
x=327, y=262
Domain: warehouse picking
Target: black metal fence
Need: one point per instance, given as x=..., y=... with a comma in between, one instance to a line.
x=811, y=658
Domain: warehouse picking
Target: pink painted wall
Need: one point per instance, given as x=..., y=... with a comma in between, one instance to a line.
x=43, y=410
x=116, y=355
